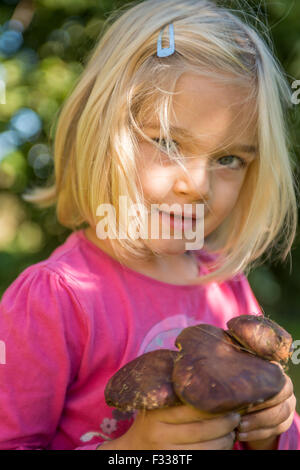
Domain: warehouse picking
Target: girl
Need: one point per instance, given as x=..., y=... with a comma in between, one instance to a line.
x=181, y=106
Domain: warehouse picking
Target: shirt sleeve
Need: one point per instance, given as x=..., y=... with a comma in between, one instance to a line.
x=42, y=341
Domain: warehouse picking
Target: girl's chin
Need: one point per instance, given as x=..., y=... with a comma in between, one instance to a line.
x=168, y=247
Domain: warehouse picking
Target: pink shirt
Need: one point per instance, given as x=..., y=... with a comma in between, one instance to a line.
x=70, y=322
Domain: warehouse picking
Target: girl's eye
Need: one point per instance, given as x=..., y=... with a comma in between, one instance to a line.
x=164, y=143
x=232, y=162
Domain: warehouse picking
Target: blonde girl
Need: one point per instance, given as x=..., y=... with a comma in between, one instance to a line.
x=180, y=115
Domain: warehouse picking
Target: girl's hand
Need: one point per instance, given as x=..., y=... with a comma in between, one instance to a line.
x=261, y=429
x=177, y=427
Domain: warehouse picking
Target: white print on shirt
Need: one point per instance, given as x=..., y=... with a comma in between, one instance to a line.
x=108, y=426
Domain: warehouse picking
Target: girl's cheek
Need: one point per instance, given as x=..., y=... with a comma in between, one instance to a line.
x=229, y=182
x=225, y=194
x=157, y=188
x=155, y=178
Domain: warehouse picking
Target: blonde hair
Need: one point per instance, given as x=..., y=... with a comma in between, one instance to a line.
x=124, y=81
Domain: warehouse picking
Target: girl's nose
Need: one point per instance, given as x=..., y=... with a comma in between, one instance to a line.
x=195, y=181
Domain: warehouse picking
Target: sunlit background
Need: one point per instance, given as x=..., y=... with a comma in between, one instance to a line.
x=43, y=45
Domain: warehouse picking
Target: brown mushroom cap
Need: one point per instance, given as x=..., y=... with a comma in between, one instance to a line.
x=212, y=371
x=215, y=376
x=144, y=383
x=262, y=336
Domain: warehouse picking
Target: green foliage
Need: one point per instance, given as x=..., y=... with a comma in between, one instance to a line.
x=38, y=77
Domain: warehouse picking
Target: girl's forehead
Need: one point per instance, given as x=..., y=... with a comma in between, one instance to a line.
x=203, y=109
x=197, y=96
x=195, y=82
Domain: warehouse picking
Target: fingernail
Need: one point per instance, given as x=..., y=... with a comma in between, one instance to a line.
x=243, y=425
x=242, y=436
x=236, y=416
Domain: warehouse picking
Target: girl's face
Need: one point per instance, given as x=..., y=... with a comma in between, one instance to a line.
x=218, y=142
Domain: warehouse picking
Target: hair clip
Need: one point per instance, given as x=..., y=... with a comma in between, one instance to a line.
x=166, y=51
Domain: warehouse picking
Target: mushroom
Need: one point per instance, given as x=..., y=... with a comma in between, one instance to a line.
x=262, y=336
x=144, y=383
x=214, y=370
x=216, y=376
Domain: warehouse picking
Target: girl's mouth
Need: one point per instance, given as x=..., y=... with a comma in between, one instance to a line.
x=178, y=221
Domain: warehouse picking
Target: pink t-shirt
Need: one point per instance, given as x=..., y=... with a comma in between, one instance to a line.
x=68, y=323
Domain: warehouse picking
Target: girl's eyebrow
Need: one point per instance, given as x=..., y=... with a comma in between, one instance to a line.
x=245, y=148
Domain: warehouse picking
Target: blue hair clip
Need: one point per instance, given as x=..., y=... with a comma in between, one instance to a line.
x=166, y=51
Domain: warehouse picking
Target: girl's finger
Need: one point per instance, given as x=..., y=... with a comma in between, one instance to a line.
x=283, y=395
x=265, y=433
x=222, y=443
x=269, y=417
x=184, y=414
x=196, y=432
